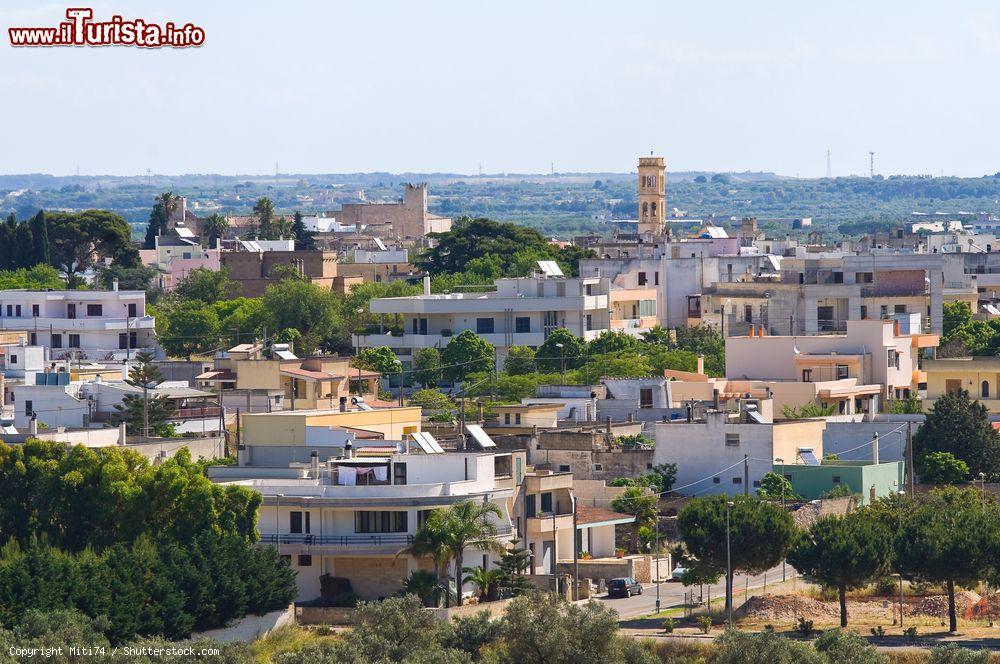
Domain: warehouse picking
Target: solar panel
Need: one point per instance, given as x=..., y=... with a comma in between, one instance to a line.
x=380, y=244
x=481, y=437
x=550, y=268
x=426, y=442
x=808, y=456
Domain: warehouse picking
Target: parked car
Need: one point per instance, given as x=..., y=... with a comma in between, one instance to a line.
x=624, y=587
x=678, y=573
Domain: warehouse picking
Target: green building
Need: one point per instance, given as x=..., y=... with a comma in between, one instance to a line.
x=813, y=482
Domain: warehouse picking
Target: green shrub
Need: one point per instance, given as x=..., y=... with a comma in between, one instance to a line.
x=736, y=647
x=886, y=585
x=952, y=654
x=705, y=624
x=668, y=625
x=804, y=627
x=841, y=646
x=878, y=632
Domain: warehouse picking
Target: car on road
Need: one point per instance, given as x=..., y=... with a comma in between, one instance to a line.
x=678, y=573
x=624, y=587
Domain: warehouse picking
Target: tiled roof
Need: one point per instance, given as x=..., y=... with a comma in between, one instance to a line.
x=585, y=514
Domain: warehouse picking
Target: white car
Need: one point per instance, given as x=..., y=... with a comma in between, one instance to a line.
x=678, y=573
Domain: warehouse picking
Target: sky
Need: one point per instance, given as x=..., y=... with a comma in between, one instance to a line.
x=425, y=86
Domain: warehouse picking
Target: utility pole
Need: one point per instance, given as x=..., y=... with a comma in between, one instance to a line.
x=576, y=556
x=909, y=453
x=871, y=164
x=746, y=475
x=400, y=384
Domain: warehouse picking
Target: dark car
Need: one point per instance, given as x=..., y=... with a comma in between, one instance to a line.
x=624, y=587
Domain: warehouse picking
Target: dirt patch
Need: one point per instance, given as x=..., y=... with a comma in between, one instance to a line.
x=937, y=605
x=787, y=608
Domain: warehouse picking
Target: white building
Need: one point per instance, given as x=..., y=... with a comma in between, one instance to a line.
x=710, y=451
x=521, y=312
x=80, y=324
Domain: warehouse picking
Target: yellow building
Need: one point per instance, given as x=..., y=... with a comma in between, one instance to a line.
x=979, y=376
x=289, y=427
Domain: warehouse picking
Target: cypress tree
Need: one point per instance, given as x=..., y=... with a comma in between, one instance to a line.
x=40, y=239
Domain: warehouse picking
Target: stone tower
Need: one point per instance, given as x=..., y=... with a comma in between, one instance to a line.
x=652, y=196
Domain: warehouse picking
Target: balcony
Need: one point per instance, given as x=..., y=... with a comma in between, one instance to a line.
x=546, y=523
x=372, y=541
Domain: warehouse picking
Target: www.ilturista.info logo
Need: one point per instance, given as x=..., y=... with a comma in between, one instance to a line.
x=81, y=30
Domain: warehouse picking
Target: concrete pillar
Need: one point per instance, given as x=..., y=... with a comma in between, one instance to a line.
x=936, y=300
x=811, y=315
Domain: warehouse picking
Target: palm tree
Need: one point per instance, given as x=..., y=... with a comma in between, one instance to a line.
x=487, y=580
x=425, y=585
x=635, y=501
x=213, y=228
x=468, y=525
x=431, y=541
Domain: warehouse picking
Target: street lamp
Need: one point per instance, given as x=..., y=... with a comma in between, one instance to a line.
x=562, y=362
x=729, y=570
x=901, y=495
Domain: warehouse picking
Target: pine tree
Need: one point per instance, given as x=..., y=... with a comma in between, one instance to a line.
x=304, y=240
x=40, y=239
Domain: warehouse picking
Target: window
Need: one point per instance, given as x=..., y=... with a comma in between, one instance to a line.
x=737, y=480
x=716, y=480
x=984, y=391
x=899, y=309
x=517, y=418
x=598, y=466
x=884, y=311
x=522, y=324
x=74, y=340
x=57, y=341
x=529, y=505
x=17, y=310
x=305, y=560
x=590, y=322
x=838, y=277
x=422, y=516
x=807, y=375
x=95, y=310
x=564, y=468
x=642, y=278
x=10, y=310
x=34, y=310
x=732, y=440
x=836, y=479
x=13, y=359
x=893, y=359
x=506, y=418
x=380, y=522
x=547, y=502
x=952, y=386
x=295, y=522
x=484, y=326
x=122, y=340
x=70, y=311
x=399, y=473
x=864, y=311
x=32, y=339
x=656, y=278
x=132, y=309
x=647, y=307
x=863, y=277
x=756, y=484
x=842, y=371
x=28, y=410
x=747, y=313
x=645, y=397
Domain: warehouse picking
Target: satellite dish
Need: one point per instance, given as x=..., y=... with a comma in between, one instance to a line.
x=796, y=350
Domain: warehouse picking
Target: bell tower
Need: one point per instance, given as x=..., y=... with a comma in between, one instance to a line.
x=652, y=196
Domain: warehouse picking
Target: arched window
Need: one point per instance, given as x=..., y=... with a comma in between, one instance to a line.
x=652, y=208
x=984, y=390
x=645, y=210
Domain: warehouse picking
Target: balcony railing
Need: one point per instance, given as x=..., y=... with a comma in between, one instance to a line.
x=357, y=541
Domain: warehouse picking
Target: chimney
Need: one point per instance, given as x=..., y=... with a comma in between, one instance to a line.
x=122, y=433
x=715, y=398
x=33, y=425
x=427, y=284
x=689, y=414
x=314, y=463
x=875, y=448
x=701, y=364
x=348, y=449
x=343, y=404
x=114, y=285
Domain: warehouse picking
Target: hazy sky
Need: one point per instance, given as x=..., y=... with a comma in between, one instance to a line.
x=420, y=85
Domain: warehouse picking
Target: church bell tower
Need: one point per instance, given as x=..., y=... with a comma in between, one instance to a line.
x=652, y=196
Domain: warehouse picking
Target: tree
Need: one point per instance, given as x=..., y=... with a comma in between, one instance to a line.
x=775, y=487
x=843, y=552
x=189, y=327
x=612, y=341
x=128, y=278
x=39, y=277
x=911, y=405
x=164, y=206
x=551, y=358
x=760, y=533
x=465, y=354
x=79, y=239
x=640, y=504
x=304, y=306
x=40, y=239
x=144, y=413
x=956, y=315
x=807, y=410
x=431, y=400
x=467, y=525
x=949, y=538
x=427, y=367
x=486, y=580
x=431, y=540
x=514, y=562
x=304, y=240
x=263, y=214
x=471, y=239
x=961, y=426
x=656, y=335
x=520, y=360
x=378, y=358
x=213, y=229
x=206, y=285
x=425, y=585
x=941, y=468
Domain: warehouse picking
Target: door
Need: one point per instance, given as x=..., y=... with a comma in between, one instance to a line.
x=548, y=564
x=952, y=386
x=70, y=311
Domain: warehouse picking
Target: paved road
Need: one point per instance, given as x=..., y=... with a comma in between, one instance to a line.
x=672, y=593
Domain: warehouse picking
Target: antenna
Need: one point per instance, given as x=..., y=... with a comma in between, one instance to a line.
x=871, y=164
x=829, y=168
x=480, y=169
